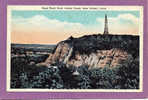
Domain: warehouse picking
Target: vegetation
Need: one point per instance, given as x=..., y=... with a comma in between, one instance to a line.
x=58, y=76
x=91, y=43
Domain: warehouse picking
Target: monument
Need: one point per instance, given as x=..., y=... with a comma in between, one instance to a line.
x=106, y=25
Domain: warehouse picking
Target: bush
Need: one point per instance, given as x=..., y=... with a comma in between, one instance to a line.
x=60, y=76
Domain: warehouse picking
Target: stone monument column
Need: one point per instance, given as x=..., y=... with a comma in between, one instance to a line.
x=106, y=25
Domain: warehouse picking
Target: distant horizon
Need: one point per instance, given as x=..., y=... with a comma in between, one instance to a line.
x=63, y=40
x=33, y=44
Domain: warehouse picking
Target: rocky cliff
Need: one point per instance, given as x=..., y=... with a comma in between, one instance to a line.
x=96, y=51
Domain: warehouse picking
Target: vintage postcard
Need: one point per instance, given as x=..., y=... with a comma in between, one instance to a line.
x=75, y=48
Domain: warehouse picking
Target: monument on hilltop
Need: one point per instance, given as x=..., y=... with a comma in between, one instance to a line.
x=106, y=25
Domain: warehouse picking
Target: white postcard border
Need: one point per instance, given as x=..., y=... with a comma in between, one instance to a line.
x=43, y=7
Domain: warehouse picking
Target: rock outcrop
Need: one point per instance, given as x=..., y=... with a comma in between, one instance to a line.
x=93, y=51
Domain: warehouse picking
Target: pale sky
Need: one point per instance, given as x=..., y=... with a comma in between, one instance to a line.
x=51, y=27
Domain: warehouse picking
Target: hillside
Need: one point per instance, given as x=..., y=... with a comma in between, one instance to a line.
x=88, y=62
x=96, y=50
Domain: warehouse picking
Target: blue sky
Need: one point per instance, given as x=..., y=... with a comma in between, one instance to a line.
x=54, y=26
x=83, y=17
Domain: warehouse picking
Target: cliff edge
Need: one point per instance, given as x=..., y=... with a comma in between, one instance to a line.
x=95, y=51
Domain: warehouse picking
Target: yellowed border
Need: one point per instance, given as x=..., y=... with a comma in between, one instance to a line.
x=99, y=8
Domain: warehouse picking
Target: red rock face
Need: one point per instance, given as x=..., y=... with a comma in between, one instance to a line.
x=60, y=53
x=109, y=58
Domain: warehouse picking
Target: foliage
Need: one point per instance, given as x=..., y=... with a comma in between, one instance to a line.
x=59, y=76
x=91, y=43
